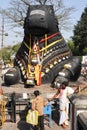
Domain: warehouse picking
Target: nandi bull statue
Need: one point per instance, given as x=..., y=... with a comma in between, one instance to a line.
x=44, y=56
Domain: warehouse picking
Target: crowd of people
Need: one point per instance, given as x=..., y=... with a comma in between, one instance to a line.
x=62, y=95
x=39, y=103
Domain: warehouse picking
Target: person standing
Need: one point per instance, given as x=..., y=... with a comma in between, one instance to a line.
x=38, y=104
x=62, y=93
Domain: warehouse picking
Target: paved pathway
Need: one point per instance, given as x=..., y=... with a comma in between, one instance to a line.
x=22, y=125
x=19, y=88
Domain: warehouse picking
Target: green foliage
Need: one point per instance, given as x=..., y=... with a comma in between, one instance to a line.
x=16, y=47
x=85, y=51
x=80, y=34
x=7, y=52
x=71, y=45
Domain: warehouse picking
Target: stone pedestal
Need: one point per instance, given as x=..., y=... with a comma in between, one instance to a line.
x=82, y=121
x=78, y=104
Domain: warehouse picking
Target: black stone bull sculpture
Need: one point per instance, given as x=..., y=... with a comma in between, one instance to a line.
x=44, y=56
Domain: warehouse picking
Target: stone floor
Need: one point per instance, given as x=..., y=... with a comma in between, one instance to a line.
x=45, y=91
x=24, y=126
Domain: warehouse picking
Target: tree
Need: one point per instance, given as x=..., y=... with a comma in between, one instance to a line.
x=18, y=8
x=73, y=48
x=71, y=45
x=16, y=47
x=7, y=52
x=80, y=34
